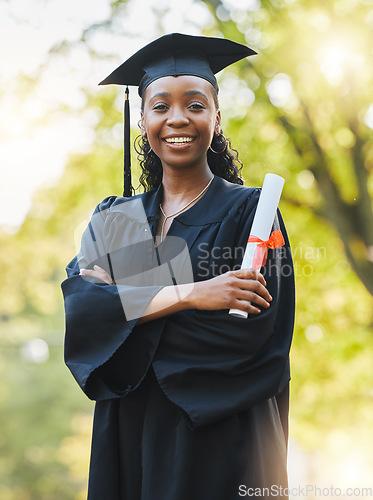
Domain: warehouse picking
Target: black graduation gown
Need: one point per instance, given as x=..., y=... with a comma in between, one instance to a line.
x=193, y=405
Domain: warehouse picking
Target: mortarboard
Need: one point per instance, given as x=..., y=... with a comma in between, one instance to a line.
x=174, y=54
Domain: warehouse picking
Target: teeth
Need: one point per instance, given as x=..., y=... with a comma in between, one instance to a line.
x=178, y=140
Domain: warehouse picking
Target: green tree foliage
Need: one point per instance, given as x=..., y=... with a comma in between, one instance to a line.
x=309, y=123
x=312, y=84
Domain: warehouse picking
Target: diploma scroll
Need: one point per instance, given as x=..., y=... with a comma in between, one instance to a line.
x=261, y=228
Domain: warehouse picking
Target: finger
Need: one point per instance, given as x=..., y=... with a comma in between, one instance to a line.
x=103, y=276
x=90, y=272
x=259, y=277
x=257, y=287
x=253, y=297
x=251, y=274
x=85, y=271
x=100, y=270
x=245, y=306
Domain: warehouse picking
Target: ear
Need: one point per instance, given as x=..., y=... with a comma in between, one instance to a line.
x=217, y=129
x=142, y=125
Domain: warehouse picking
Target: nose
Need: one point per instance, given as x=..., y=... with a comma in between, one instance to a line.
x=177, y=117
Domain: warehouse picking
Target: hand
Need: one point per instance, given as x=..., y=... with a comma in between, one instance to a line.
x=98, y=272
x=232, y=290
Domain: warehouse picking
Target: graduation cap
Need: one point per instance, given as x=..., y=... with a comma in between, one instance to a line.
x=174, y=54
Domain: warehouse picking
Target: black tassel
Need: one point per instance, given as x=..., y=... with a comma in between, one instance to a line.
x=127, y=188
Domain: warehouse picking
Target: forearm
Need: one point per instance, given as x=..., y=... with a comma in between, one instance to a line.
x=169, y=300
x=243, y=289
x=231, y=290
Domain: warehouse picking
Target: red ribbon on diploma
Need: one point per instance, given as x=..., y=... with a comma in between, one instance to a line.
x=276, y=240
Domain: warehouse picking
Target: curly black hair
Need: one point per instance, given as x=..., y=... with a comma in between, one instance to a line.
x=224, y=163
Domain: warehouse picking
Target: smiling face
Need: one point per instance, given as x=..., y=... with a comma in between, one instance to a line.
x=179, y=119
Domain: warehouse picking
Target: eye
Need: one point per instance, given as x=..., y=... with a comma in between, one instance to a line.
x=196, y=106
x=160, y=107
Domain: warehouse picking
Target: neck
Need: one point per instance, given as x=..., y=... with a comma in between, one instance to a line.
x=181, y=185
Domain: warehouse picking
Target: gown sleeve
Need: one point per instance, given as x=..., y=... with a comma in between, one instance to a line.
x=101, y=318
x=221, y=365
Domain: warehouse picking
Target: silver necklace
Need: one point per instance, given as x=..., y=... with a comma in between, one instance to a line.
x=165, y=217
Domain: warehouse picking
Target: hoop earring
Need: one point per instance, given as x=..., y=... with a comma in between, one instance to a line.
x=141, y=153
x=225, y=145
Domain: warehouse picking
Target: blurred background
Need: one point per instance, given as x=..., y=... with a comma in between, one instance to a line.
x=302, y=108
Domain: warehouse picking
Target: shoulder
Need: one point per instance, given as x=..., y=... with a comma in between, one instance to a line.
x=133, y=206
x=236, y=196
x=236, y=191
x=105, y=204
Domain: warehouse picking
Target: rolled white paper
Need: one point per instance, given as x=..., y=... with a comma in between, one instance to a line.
x=262, y=223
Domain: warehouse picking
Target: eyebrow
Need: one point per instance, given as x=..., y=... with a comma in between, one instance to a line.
x=195, y=92
x=160, y=94
x=188, y=92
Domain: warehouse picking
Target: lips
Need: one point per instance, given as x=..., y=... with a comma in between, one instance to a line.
x=178, y=140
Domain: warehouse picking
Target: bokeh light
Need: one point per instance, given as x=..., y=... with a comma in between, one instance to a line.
x=35, y=351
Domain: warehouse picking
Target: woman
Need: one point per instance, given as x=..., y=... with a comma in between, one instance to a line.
x=191, y=402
